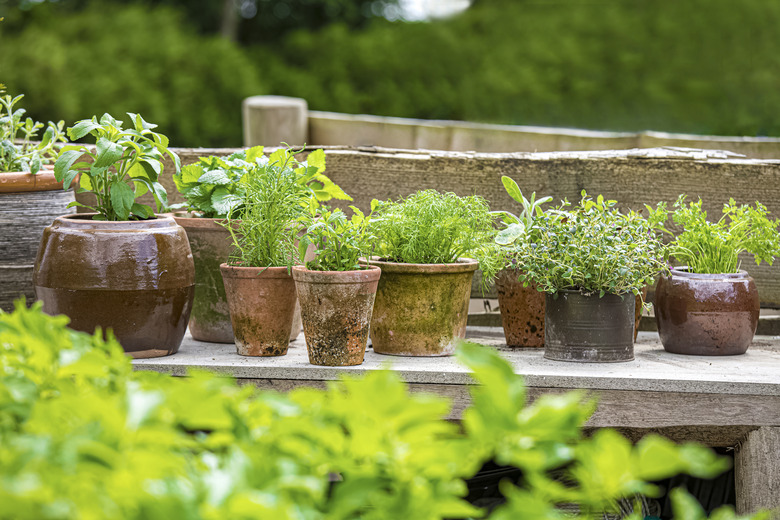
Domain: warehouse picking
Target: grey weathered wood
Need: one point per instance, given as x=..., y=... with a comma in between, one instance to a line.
x=271, y=120
x=15, y=281
x=757, y=471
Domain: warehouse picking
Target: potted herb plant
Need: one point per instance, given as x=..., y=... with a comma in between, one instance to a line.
x=336, y=292
x=592, y=261
x=30, y=194
x=522, y=306
x=708, y=306
x=214, y=190
x=260, y=290
x=425, y=247
x=120, y=267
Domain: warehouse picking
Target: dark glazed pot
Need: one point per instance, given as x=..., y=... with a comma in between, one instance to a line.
x=262, y=304
x=336, y=310
x=589, y=329
x=421, y=309
x=135, y=277
x=522, y=310
x=706, y=314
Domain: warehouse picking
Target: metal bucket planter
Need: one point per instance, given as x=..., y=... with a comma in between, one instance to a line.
x=522, y=310
x=421, y=309
x=336, y=308
x=30, y=203
x=589, y=329
x=706, y=314
x=262, y=305
x=135, y=277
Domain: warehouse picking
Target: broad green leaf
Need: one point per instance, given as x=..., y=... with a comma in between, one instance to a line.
x=223, y=201
x=512, y=189
x=108, y=153
x=254, y=153
x=82, y=128
x=122, y=199
x=64, y=163
x=317, y=159
x=191, y=173
x=217, y=177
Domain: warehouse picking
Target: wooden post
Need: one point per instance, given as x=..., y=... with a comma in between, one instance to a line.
x=757, y=471
x=271, y=120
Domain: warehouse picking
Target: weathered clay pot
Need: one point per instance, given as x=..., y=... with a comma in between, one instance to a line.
x=522, y=310
x=262, y=304
x=336, y=309
x=639, y=298
x=706, y=314
x=421, y=309
x=17, y=182
x=135, y=277
x=589, y=329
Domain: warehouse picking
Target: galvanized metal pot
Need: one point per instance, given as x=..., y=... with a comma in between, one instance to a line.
x=706, y=314
x=589, y=329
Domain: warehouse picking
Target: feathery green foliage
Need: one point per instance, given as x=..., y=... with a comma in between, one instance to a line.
x=714, y=247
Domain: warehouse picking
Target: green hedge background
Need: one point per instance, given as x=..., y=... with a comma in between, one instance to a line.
x=695, y=66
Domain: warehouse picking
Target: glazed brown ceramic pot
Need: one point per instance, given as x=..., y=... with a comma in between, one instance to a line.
x=706, y=314
x=262, y=304
x=336, y=309
x=421, y=309
x=522, y=310
x=135, y=277
x=589, y=328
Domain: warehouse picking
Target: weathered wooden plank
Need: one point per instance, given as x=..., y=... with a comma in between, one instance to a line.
x=15, y=281
x=757, y=471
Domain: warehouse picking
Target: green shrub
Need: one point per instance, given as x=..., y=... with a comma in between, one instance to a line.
x=83, y=436
x=137, y=58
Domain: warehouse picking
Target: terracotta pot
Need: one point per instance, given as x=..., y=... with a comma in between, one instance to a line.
x=135, y=277
x=17, y=182
x=336, y=310
x=639, y=298
x=421, y=309
x=522, y=310
x=706, y=314
x=589, y=329
x=262, y=303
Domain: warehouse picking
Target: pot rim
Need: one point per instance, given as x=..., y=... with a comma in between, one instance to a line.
x=682, y=272
x=234, y=271
x=301, y=274
x=84, y=221
x=463, y=265
x=205, y=223
x=596, y=294
x=21, y=181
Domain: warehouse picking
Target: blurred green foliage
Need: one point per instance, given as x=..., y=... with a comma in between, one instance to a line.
x=84, y=436
x=698, y=66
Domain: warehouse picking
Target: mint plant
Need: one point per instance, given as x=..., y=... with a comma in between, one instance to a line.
x=125, y=164
x=591, y=248
x=339, y=242
x=19, y=149
x=714, y=247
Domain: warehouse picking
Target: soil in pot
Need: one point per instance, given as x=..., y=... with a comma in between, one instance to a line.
x=706, y=314
x=135, y=277
x=522, y=310
x=262, y=304
x=336, y=308
x=421, y=309
x=589, y=329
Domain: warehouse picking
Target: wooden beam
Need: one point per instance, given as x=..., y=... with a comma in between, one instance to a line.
x=757, y=471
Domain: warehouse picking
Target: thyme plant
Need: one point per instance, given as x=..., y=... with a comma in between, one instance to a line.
x=714, y=247
x=19, y=146
x=592, y=248
x=429, y=227
x=339, y=242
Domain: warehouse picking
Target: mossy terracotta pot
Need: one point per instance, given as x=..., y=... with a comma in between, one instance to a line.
x=135, y=277
x=336, y=309
x=421, y=309
x=706, y=314
x=262, y=304
x=522, y=310
x=589, y=328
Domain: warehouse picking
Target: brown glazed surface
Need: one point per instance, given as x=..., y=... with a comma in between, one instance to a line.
x=522, y=310
x=262, y=303
x=336, y=311
x=706, y=314
x=421, y=309
x=135, y=277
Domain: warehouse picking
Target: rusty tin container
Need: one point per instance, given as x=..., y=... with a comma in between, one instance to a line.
x=135, y=277
x=706, y=314
x=522, y=310
x=588, y=328
x=336, y=309
x=421, y=309
x=262, y=304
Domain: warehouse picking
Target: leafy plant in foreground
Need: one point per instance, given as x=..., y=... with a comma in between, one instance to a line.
x=18, y=149
x=126, y=163
x=714, y=247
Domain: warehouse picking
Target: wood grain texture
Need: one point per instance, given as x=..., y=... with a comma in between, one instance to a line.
x=15, y=281
x=757, y=471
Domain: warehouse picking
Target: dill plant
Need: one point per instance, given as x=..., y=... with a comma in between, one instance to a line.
x=714, y=247
x=429, y=227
